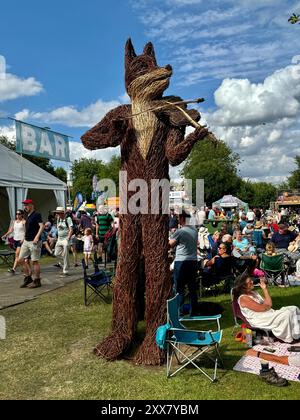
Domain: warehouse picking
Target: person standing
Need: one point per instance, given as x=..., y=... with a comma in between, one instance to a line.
x=185, y=240
x=18, y=230
x=88, y=245
x=65, y=232
x=250, y=216
x=32, y=245
x=173, y=221
x=201, y=216
x=212, y=214
x=103, y=225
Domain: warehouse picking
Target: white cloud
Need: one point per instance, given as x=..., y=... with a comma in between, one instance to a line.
x=260, y=122
x=70, y=116
x=241, y=102
x=249, y=36
x=8, y=131
x=12, y=87
x=78, y=151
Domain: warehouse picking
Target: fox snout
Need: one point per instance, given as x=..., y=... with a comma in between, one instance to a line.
x=169, y=68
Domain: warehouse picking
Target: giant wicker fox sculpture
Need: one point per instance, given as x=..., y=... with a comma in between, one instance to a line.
x=149, y=141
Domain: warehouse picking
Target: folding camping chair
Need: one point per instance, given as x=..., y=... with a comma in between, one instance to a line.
x=274, y=269
x=7, y=256
x=186, y=344
x=96, y=285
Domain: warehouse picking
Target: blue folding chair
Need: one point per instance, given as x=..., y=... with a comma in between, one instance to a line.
x=181, y=341
x=96, y=285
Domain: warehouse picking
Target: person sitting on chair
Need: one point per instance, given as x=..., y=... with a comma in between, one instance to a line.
x=218, y=268
x=284, y=323
x=283, y=237
x=270, y=249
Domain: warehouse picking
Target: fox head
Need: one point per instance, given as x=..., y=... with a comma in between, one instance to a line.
x=144, y=79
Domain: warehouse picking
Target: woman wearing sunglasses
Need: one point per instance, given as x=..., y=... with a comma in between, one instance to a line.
x=17, y=227
x=219, y=268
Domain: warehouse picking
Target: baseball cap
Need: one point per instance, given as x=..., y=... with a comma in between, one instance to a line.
x=28, y=201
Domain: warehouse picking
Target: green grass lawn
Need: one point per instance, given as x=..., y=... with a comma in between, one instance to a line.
x=48, y=355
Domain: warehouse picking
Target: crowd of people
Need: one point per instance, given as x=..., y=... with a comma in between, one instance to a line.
x=232, y=254
x=63, y=233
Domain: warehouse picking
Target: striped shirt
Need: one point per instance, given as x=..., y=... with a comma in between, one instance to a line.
x=104, y=223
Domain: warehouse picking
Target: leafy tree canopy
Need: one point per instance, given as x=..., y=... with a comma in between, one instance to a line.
x=294, y=19
x=84, y=169
x=294, y=179
x=217, y=165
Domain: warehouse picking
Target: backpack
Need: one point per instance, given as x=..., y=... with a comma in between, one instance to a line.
x=75, y=226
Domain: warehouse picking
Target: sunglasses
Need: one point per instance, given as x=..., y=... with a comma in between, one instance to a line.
x=19, y=214
x=222, y=248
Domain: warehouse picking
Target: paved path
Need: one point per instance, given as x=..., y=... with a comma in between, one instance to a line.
x=11, y=293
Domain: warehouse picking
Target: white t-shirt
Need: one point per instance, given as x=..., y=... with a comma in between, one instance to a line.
x=250, y=216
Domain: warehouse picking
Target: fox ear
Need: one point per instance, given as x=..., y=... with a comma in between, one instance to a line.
x=149, y=50
x=129, y=51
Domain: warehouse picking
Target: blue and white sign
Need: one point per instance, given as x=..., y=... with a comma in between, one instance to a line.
x=36, y=141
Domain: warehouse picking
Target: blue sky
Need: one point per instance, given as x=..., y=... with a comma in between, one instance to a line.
x=65, y=68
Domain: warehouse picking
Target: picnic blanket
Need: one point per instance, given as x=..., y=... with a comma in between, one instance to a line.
x=251, y=364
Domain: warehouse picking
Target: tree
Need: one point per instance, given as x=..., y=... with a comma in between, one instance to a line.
x=111, y=170
x=61, y=174
x=246, y=191
x=294, y=179
x=294, y=19
x=264, y=193
x=83, y=171
x=7, y=143
x=217, y=165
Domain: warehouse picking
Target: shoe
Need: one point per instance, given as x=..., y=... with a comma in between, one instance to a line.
x=11, y=271
x=271, y=377
x=57, y=265
x=63, y=275
x=76, y=265
x=36, y=283
x=27, y=280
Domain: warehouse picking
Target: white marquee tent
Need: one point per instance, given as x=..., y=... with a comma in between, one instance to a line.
x=21, y=179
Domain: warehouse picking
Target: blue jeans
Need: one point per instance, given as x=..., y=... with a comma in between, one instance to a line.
x=185, y=273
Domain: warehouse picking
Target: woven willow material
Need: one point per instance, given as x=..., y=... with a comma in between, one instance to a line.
x=149, y=142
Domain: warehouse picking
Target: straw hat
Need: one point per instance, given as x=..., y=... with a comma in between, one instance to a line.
x=59, y=210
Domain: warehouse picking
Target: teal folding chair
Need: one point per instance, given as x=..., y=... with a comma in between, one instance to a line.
x=187, y=345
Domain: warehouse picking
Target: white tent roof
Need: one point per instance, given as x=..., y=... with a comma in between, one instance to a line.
x=33, y=176
x=230, y=201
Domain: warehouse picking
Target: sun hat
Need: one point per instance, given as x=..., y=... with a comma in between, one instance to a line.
x=59, y=210
x=27, y=201
x=258, y=224
x=203, y=229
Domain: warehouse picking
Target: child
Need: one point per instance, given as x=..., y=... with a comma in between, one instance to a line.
x=270, y=249
x=87, y=245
